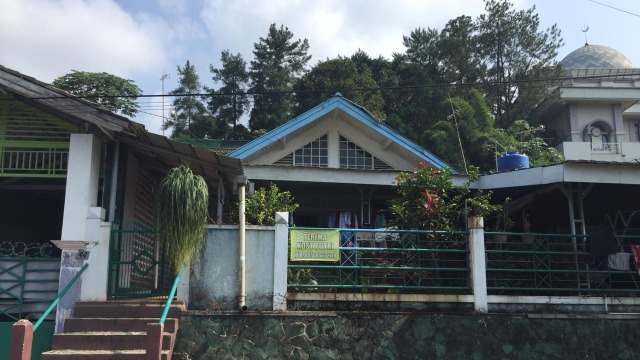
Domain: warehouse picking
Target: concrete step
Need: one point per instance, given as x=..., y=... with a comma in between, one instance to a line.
x=116, y=324
x=100, y=355
x=103, y=340
x=126, y=309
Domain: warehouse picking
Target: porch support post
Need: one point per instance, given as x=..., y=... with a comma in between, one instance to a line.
x=81, y=193
x=478, y=264
x=280, y=256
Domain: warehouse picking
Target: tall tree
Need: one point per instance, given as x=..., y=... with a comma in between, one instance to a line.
x=110, y=92
x=458, y=51
x=419, y=71
x=278, y=62
x=230, y=101
x=339, y=75
x=516, y=51
x=191, y=119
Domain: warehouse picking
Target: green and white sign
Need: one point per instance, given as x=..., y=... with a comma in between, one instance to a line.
x=315, y=245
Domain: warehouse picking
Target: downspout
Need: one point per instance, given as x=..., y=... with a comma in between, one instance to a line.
x=242, y=182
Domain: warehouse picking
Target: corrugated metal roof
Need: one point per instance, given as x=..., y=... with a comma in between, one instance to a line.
x=118, y=128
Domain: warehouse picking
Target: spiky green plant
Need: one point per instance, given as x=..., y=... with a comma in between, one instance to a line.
x=182, y=202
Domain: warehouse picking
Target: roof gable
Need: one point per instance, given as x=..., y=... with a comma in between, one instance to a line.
x=355, y=112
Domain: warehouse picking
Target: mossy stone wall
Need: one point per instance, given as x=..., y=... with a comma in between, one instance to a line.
x=404, y=336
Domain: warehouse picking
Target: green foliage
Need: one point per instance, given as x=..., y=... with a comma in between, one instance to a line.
x=514, y=49
x=230, y=101
x=522, y=137
x=191, y=118
x=339, y=75
x=426, y=200
x=261, y=207
x=182, y=202
x=110, y=92
x=277, y=64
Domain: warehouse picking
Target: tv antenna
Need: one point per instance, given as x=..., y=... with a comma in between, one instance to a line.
x=453, y=115
x=163, y=78
x=584, y=29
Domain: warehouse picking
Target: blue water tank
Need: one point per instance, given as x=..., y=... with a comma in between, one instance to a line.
x=513, y=161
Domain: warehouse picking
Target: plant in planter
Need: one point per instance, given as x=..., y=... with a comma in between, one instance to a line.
x=182, y=210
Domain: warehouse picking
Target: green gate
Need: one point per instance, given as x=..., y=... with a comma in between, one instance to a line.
x=137, y=266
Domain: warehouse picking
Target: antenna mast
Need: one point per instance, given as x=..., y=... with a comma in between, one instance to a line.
x=163, y=78
x=455, y=120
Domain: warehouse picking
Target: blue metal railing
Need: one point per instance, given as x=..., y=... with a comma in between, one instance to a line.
x=174, y=288
x=60, y=296
x=392, y=261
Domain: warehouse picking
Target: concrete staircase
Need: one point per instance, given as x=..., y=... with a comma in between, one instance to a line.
x=113, y=330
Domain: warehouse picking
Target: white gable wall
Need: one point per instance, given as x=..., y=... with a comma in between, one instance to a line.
x=333, y=125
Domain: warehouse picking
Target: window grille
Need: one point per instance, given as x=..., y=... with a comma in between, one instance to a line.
x=353, y=156
x=315, y=153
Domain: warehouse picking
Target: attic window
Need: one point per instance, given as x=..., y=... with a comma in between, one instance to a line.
x=353, y=156
x=315, y=153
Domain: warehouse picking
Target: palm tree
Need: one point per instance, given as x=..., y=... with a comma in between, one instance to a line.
x=182, y=202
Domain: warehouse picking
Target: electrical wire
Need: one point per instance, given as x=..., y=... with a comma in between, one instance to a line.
x=250, y=94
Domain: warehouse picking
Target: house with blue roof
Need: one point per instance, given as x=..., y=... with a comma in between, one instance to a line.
x=334, y=158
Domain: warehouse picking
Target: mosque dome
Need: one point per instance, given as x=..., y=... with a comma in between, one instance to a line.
x=595, y=56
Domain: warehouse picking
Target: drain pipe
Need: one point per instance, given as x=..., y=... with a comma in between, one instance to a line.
x=242, y=182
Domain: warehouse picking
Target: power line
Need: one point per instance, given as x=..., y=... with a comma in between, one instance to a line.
x=372, y=89
x=615, y=8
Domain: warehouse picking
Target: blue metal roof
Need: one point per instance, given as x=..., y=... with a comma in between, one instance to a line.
x=355, y=111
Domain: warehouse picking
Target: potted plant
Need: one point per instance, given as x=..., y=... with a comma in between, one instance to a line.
x=503, y=221
x=182, y=202
x=526, y=226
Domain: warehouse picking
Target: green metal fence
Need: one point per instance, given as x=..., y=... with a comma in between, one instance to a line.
x=389, y=261
x=137, y=266
x=559, y=265
x=27, y=286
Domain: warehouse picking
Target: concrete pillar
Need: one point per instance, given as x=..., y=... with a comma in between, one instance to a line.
x=81, y=193
x=621, y=133
x=478, y=264
x=574, y=124
x=154, y=341
x=280, y=261
x=21, y=340
x=98, y=232
x=83, y=173
x=183, y=285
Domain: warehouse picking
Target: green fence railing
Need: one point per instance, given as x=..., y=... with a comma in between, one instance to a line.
x=27, y=284
x=389, y=261
x=559, y=265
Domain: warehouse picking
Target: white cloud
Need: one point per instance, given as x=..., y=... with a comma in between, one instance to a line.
x=333, y=27
x=49, y=38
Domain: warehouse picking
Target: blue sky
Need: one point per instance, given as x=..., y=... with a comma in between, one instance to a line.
x=142, y=39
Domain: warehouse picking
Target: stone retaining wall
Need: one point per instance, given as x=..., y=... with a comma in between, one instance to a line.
x=369, y=335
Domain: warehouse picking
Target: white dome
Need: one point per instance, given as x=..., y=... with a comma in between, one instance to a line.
x=595, y=56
